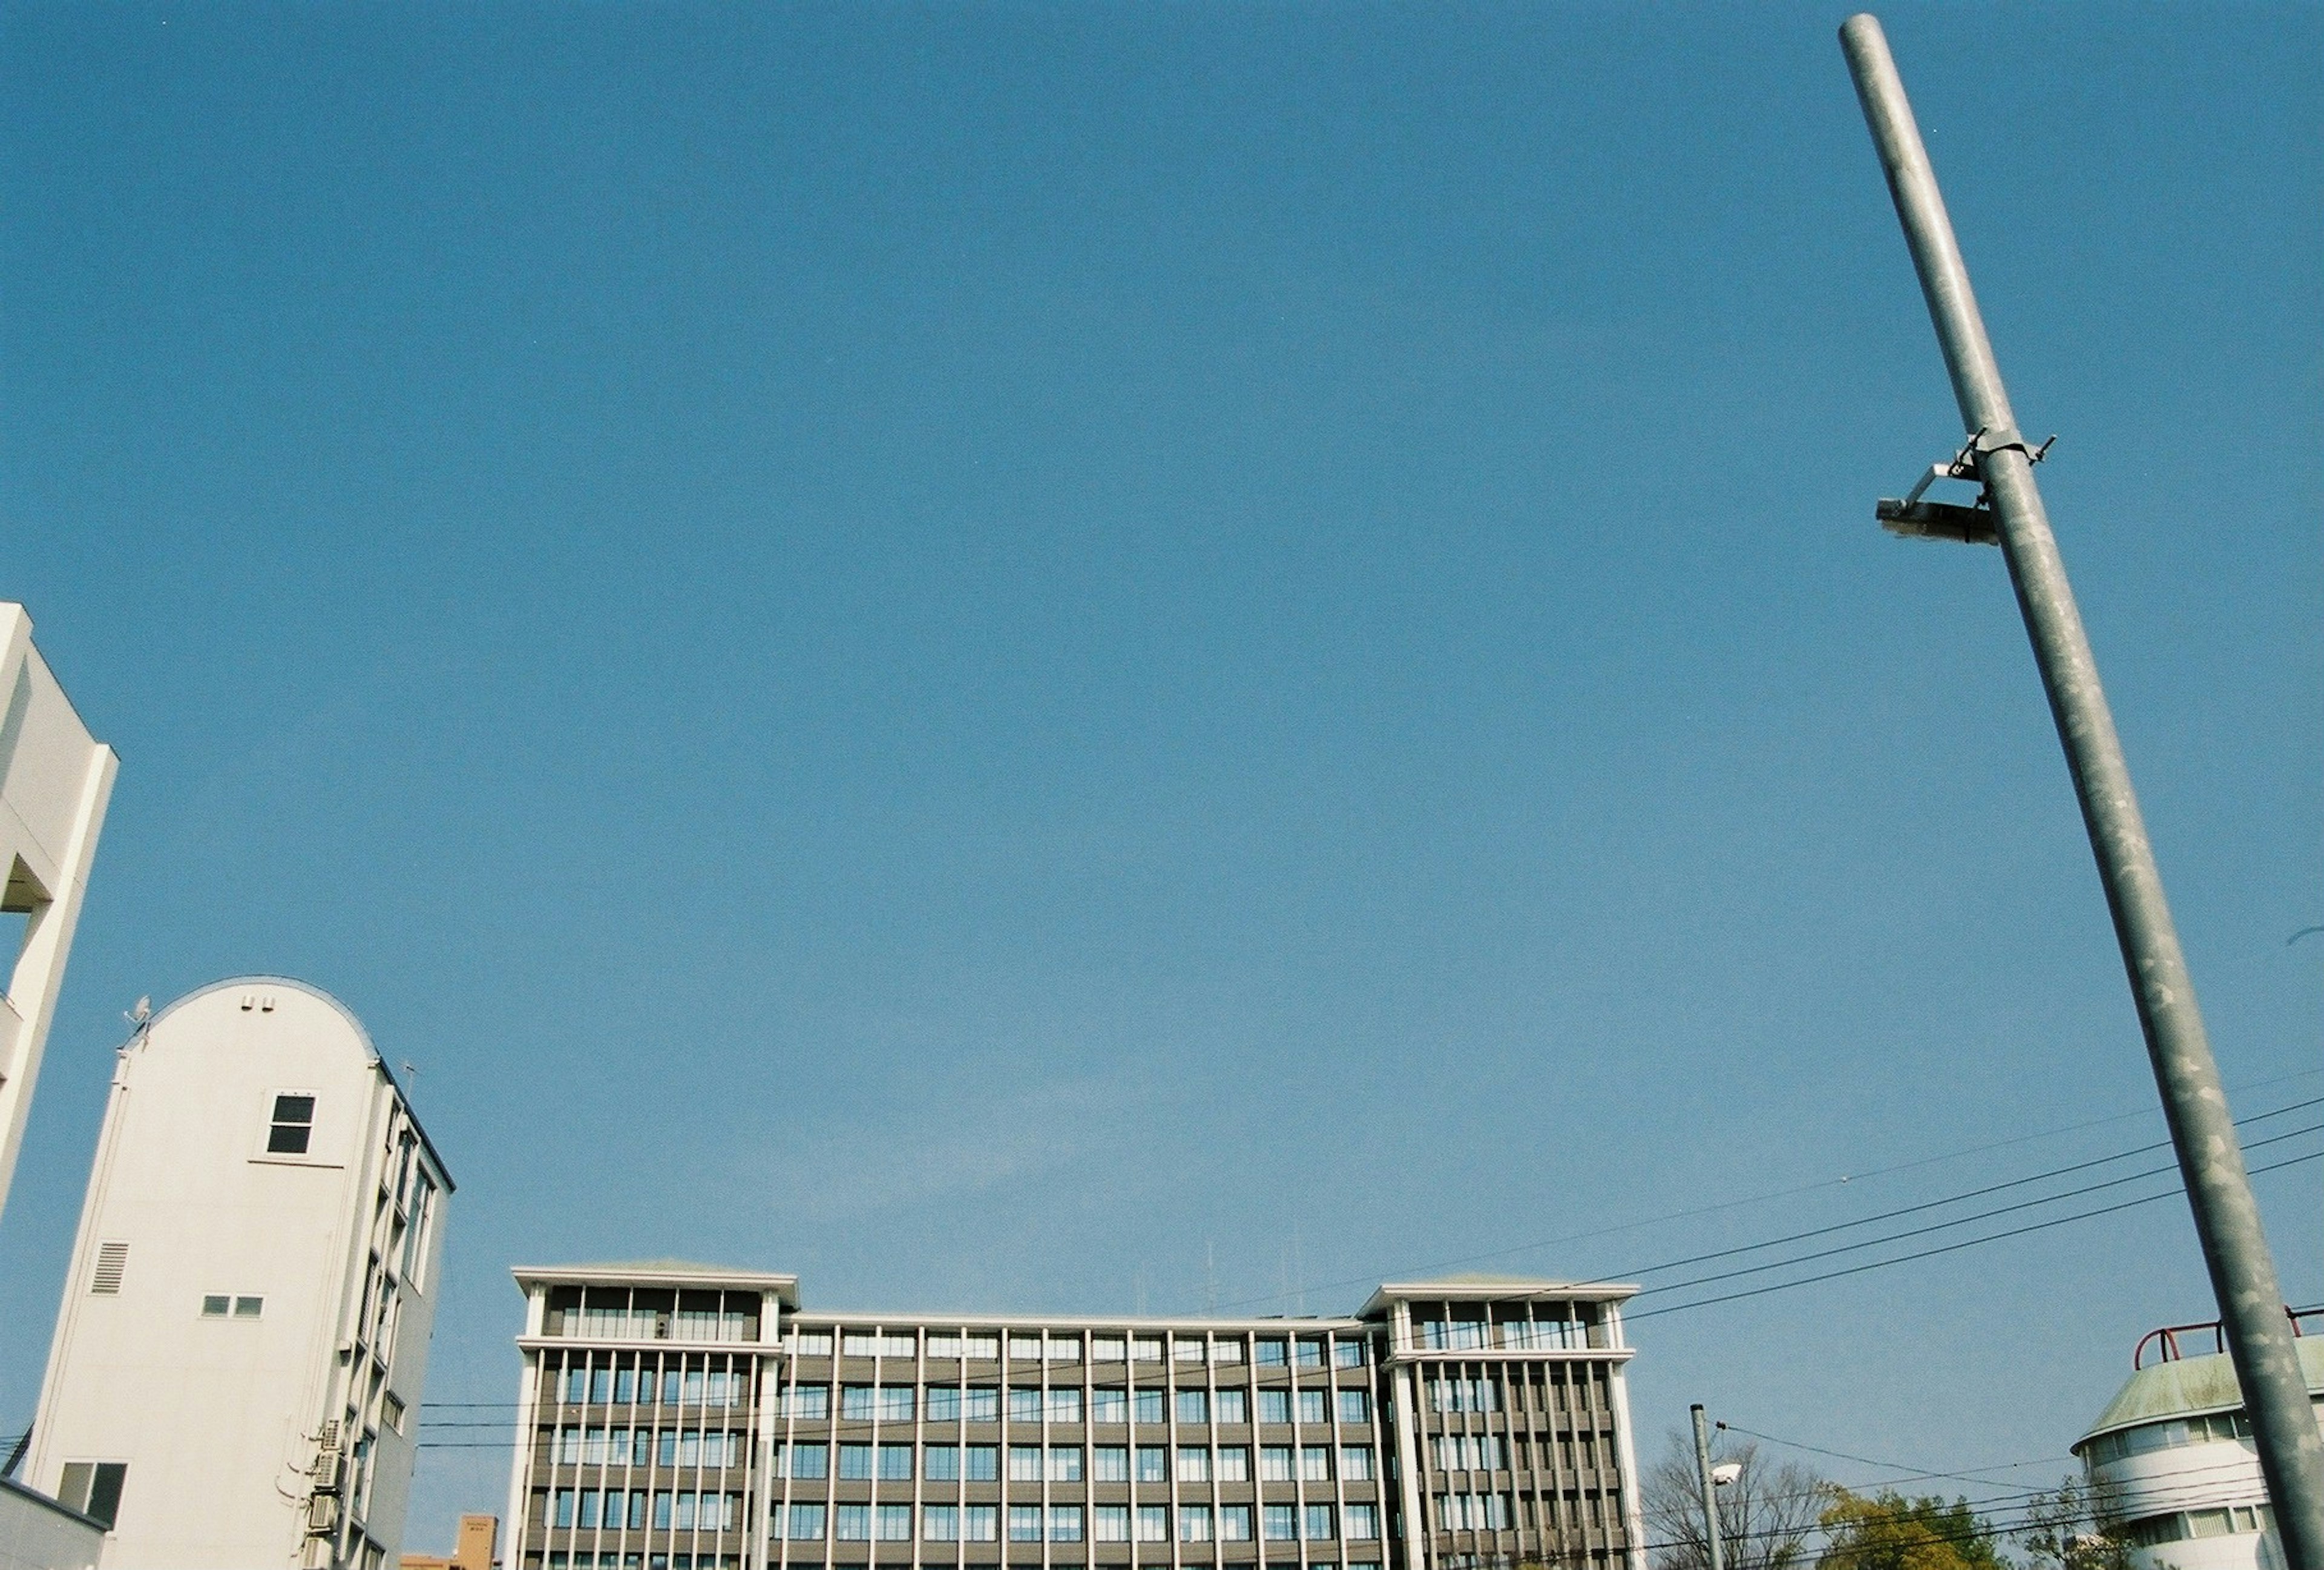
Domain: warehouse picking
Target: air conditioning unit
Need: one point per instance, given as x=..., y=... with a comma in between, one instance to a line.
x=323, y=1515
x=329, y=1470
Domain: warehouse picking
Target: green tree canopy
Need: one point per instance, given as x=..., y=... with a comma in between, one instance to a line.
x=1887, y=1531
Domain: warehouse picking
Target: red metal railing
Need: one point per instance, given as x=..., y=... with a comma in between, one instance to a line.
x=2165, y=1341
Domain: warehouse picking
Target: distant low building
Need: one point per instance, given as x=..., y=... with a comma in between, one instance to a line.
x=55, y=779
x=2170, y=1461
x=677, y=1417
x=478, y=1541
x=237, y=1364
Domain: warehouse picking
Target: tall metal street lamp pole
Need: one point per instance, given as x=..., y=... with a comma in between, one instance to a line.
x=1710, y=1533
x=2210, y=1161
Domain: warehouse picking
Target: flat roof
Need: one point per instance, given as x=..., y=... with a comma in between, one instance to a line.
x=1122, y=1321
x=679, y=1273
x=1494, y=1289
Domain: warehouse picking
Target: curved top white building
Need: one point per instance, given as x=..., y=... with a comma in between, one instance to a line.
x=2171, y=1460
x=239, y=1354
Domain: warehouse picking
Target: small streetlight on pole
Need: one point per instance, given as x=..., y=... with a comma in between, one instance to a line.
x=2010, y=514
x=1710, y=1488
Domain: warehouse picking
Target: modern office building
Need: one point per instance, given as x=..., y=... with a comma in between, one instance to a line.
x=675, y=1417
x=2170, y=1461
x=239, y=1356
x=55, y=779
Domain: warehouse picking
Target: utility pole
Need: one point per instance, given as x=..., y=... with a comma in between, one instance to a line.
x=1710, y=1488
x=2210, y=1160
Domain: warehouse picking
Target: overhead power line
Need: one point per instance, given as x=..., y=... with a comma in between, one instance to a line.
x=1942, y=1226
x=1947, y=1248
x=1871, y=1243
x=1928, y=1204
x=1792, y=1193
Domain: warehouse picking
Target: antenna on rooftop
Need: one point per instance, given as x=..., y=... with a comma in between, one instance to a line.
x=1298, y=1274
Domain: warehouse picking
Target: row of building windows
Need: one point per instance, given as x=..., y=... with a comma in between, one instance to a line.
x=1500, y=1512
x=626, y=1384
x=626, y=1323
x=1493, y=1453
x=226, y=1305
x=1068, y=1347
x=613, y=1447
x=1476, y=1335
x=2184, y=1524
x=1473, y=1512
x=1064, y=1404
x=1463, y=1394
x=1470, y=1453
x=652, y=1313
x=639, y=1509
x=863, y=1523
x=2150, y=1436
x=561, y=1559
x=1073, y=1463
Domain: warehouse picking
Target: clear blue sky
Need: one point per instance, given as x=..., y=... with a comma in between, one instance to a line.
x=973, y=649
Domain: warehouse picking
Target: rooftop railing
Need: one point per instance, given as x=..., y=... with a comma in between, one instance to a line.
x=2206, y=1339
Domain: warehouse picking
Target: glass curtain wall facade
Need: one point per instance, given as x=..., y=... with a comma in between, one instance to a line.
x=702, y=1421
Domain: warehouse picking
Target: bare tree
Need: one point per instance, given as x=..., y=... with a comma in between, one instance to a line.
x=2067, y=1528
x=1767, y=1516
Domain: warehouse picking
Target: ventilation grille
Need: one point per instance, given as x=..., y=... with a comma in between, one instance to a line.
x=112, y=1260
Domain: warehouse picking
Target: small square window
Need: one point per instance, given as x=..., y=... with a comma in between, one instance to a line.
x=248, y=1307
x=216, y=1306
x=291, y=1126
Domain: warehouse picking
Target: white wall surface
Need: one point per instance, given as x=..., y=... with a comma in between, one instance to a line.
x=55, y=781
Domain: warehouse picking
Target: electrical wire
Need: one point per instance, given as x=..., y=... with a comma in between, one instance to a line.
x=1650, y=1313
x=1772, y=1194
x=1981, y=1193
x=1947, y=1248
x=1896, y=1237
x=1945, y=1226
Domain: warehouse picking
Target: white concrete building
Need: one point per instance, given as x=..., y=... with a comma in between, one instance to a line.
x=2170, y=1461
x=54, y=781
x=236, y=1377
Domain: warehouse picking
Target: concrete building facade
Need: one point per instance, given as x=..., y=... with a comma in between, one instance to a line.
x=675, y=1417
x=237, y=1364
x=55, y=779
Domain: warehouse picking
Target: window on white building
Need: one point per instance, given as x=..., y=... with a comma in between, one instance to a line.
x=94, y=1488
x=290, y=1126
